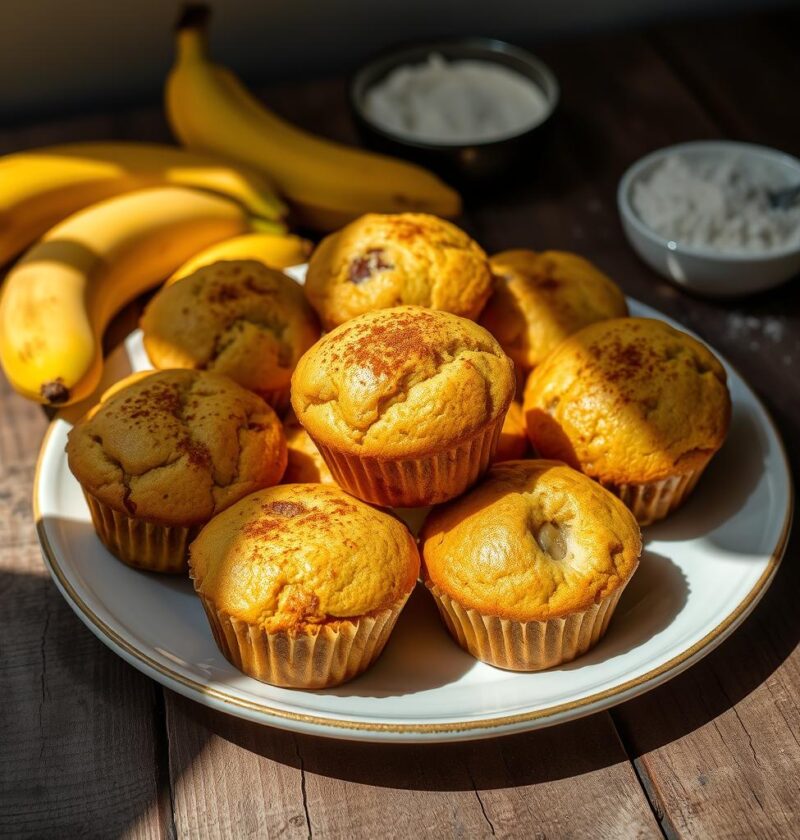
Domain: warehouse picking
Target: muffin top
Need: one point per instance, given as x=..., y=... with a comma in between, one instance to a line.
x=541, y=298
x=235, y=317
x=402, y=382
x=303, y=554
x=536, y=540
x=177, y=446
x=379, y=261
x=305, y=464
x=513, y=441
x=629, y=400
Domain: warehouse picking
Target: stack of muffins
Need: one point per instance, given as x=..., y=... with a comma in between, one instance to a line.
x=407, y=400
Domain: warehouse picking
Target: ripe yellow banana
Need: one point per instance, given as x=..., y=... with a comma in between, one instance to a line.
x=273, y=250
x=326, y=183
x=39, y=188
x=58, y=299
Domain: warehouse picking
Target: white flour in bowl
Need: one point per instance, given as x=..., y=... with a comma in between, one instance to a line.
x=716, y=203
x=453, y=102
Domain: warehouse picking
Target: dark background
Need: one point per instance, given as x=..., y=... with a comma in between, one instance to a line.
x=63, y=56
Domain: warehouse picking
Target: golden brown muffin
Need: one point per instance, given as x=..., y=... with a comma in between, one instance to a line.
x=513, y=441
x=527, y=568
x=161, y=455
x=635, y=404
x=541, y=298
x=379, y=261
x=406, y=404
x=236, y=317
x=305, y=465
x=302, y=584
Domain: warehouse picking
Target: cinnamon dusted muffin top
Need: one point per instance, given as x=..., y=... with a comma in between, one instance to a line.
x=402, y=382
x=236, y=317
x=629, y=400
x=379, y=261
x=541, y=298
x=303, y=554
x=535, y=540
x=175, y=447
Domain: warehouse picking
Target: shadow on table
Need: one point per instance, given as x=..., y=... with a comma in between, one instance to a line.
x=666, y=714
x=726, y=676
x=719, y=509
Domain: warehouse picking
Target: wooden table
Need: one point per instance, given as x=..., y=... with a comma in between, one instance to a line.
x=89, y=747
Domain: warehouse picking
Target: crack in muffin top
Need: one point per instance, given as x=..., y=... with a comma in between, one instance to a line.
x=401, y=382
x=175, y=447
x=236, y=317
x=542, y=297
x=300, y=555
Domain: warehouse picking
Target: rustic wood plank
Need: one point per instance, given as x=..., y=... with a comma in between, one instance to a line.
x=234, y=779
x=77, y=725
x=718, y=746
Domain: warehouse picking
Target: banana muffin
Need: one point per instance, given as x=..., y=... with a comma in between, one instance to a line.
x=161, y=455
x=541, y=298
x=528, y=567
x=302, y=584
x=236, y=317
x=406, y=405
x=634, y=403
x=379, y=261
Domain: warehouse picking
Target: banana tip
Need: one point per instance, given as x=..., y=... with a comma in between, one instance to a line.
x=55, y=392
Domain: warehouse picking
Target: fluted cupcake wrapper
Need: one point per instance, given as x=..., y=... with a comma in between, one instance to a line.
x=323, y=657
x=414, y=482
x=143, y=545
x=525, y=645
x=650, y=501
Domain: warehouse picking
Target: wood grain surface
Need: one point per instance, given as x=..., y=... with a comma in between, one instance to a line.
x=90, y=748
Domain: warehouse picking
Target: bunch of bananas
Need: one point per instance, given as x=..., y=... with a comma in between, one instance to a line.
x=104, y=222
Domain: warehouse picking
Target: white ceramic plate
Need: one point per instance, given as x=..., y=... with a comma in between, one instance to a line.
x=702, y=572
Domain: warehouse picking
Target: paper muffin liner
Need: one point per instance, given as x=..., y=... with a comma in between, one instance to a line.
x=324, y=656
x=143, y=545
x=525, y=645
x=650, y=501
x=414, y=482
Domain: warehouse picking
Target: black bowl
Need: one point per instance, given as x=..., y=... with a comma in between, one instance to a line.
x=467, y=165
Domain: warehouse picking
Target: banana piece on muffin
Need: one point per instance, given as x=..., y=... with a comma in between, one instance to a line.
x=379, y=261
x=528, y=567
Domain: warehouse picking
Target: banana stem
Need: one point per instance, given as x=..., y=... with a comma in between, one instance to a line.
x=193, y=16
x=190, y=32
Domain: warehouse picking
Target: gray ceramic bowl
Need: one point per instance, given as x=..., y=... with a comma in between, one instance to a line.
x=474, y=164
x=708, y=271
